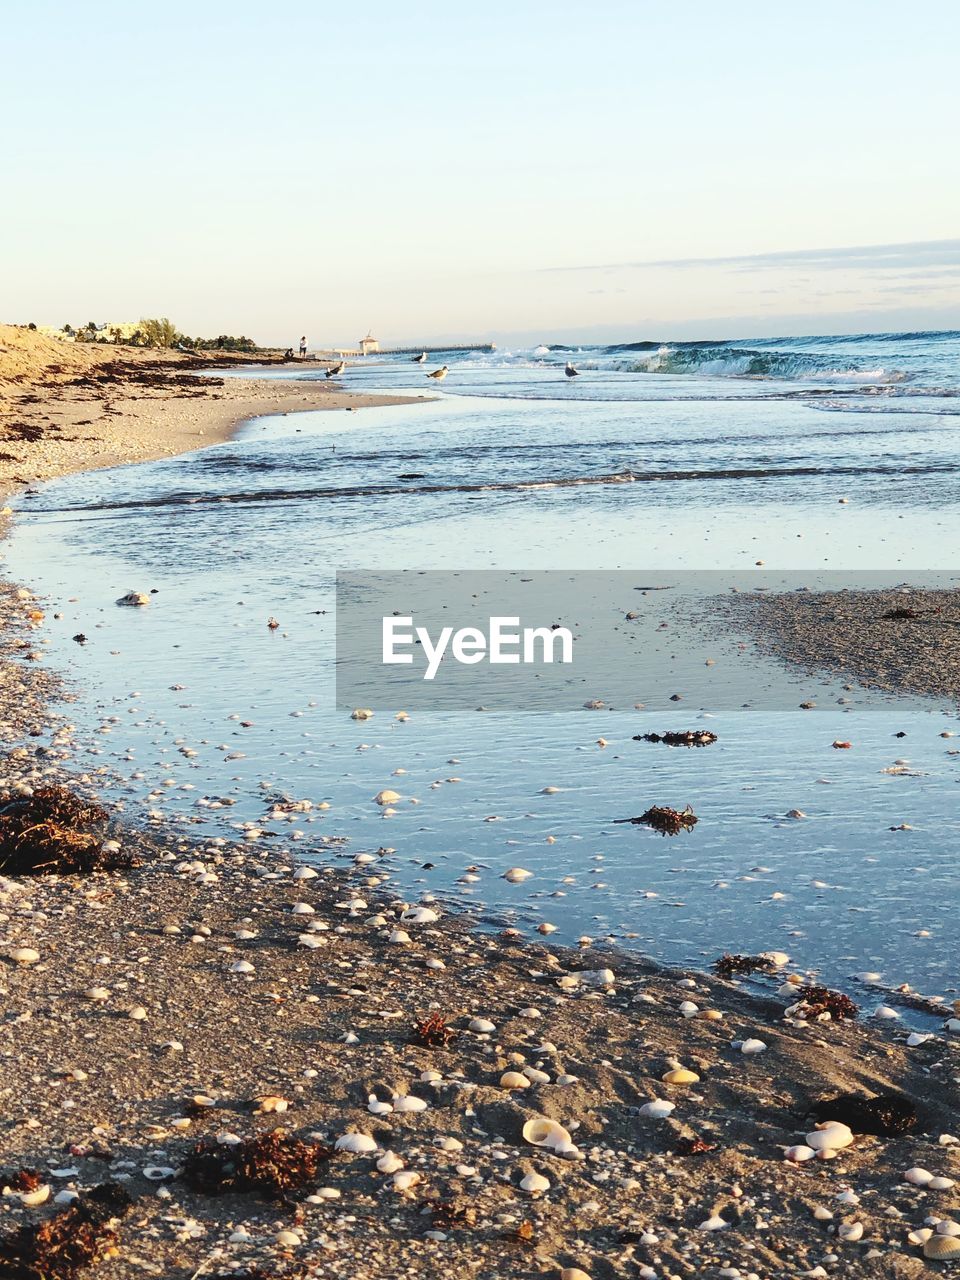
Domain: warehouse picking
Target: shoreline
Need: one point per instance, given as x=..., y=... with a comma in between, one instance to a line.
x=179, y=1045
x=334, y=975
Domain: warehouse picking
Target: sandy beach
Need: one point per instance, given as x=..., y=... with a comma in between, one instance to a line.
x=159, y=1016
x=68, y=407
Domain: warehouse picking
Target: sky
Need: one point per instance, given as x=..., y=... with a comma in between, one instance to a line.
x=516, y=172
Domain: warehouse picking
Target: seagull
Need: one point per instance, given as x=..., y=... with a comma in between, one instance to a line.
x=421, y=358
x=439, y=374
x=336, y=371
x=570, y=371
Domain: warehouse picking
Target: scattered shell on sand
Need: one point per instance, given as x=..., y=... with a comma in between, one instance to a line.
x=517, y=875
x=23, y=955
x=356, y=1143
x=942, y=1247
x=387, y=797
x=680, y=1075
x=533, y=1183
x=658, y=1109
x=541, y=1132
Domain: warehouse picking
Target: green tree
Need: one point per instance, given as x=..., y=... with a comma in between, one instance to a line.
x=158, y=332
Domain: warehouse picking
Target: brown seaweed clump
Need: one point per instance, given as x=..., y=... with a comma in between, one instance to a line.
x=728, y=965
x=272, y=1164
x=888, y=1115
x=433, y=1032
x=819, y=1000
x=61, y=1247
x=54, y=832
x=669, y=822
x=686, y=738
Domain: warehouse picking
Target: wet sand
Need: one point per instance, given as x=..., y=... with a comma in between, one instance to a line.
x=898, y=640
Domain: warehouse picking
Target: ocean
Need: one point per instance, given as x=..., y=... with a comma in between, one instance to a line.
x=657, y=457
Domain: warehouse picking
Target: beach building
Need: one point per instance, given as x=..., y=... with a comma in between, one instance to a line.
x=369, y=345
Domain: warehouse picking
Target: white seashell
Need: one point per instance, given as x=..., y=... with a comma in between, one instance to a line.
x=39, y=1195
x=305, y=873
x=432, y=962
x=399, y=937
x=357, y=1143
x=158, y=1172
x=546, y=927
x=753, y=1046
x=848, y=1197
x=389, y=1162
x=242, y=966
x=799, y=1154
x=378, y=1108
x=288, y=1238
x=517, y=875
x=948, y=1228
x=534, y=1183
x=227, y=1139
x=23, y=955
x=410, y=1103
x=310, y=940
x=778, y=958
x=832, y=1136
x=689, y=1009
x=939, y=1183
x=953, y=1024
x=566, y=1079
x=883, y=1011
x=573, y=1273
x=404, y=1181
x=514, y=1080
x=361, y=713
x=714, y=1223
x=302, y=909
x=482, y=1026
x=657, y=1110
x=420, y=915
x=98, y=994
x=598, y=977
x=942, y=1247
x=917, y=1038
x=430, y=1077
x=680, y=1075
x=821, y=1214
x=541, y=1132
x=387, y=797
x=536, y=1076
x=919, y=1177
x=850, y=1231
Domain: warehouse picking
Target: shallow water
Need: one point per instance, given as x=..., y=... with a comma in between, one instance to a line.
x=619, y=468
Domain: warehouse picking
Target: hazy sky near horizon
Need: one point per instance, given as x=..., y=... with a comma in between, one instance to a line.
x=523, y=171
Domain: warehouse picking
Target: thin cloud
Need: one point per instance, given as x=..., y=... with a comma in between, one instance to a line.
x=929, y=254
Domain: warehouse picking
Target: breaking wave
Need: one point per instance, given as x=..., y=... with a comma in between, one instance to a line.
x=720, y=360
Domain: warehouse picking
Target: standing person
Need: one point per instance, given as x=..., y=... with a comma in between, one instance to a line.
x=303, y=347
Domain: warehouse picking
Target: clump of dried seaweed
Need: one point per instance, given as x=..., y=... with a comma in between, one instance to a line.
x=433, y=1032
x=900, y=615
x=61, y=1247
x=686, y=738
x=447, y=1215
x=272, y=1164
x=669, y=822
x=694, y=1146
x=888, y=1115
x=728, y=965
x=814, y=1001
x=55, y=832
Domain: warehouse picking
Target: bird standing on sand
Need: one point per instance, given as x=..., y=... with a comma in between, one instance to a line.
x=439, y=374
x=336, y=371
x=421, y=358
x=570, y=371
